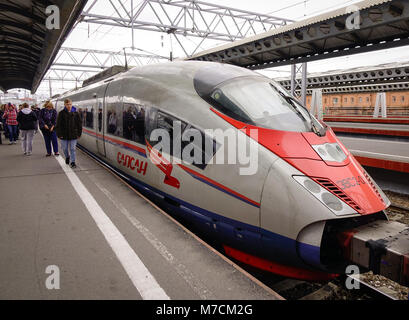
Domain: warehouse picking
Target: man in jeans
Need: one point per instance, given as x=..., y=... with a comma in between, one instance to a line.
x=69, y=129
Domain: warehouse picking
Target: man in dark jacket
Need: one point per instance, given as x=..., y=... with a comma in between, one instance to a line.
x=27, y=122
x=69, y=129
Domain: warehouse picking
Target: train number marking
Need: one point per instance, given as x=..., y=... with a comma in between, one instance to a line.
x=351, y=182
x=132, y=163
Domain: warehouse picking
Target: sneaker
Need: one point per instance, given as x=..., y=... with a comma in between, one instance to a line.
x=15, y=142
x=25, y=153
x=67, y=160
x=56, y=154
x=28, y=153
x=10, y=143
x=48, y=155
x=73, y=165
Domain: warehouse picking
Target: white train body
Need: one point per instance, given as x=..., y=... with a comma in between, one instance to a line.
x=267, y=219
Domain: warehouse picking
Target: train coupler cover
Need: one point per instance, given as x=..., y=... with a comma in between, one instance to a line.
x=382, y=247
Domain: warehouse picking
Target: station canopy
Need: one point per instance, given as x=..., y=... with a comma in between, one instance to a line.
x=27, y=47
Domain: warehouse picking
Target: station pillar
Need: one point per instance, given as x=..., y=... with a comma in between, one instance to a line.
x=380, y=104
x=316, y=104
x=299, y=82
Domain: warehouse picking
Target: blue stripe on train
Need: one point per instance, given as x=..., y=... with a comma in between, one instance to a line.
x=222, y=190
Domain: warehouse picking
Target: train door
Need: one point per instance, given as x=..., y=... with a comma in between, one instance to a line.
x=100, y=123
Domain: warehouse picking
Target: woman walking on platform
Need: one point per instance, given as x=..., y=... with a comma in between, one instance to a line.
x=10, y=115
x=48, y=121
x=27, y=121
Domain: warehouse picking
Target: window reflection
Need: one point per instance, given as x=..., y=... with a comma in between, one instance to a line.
x=134, y=122
x=100, y=119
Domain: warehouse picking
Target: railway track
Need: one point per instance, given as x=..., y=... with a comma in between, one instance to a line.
x=292, y=289
x=398, y=213
x=336, y=289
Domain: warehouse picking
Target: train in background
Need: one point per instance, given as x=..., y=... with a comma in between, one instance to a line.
x=285, y=218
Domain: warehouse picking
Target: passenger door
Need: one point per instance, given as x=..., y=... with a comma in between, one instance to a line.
x=99, y=120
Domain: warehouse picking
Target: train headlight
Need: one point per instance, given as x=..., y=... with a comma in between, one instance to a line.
x=336, y=205
x=331, y=201
x=330, y=152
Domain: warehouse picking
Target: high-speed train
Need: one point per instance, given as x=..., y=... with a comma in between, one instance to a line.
x=285, y=216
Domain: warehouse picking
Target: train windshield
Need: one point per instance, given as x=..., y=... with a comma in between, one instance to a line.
x=258, y=101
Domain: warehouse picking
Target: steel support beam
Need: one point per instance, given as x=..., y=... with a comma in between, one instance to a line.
x=383, y=25
x=380, y=75
x=186, y=18
x=102, y=59
x=401, y=86
x=77, y=65
x=299, y=82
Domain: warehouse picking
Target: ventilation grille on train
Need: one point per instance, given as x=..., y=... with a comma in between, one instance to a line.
x=331, y=187
x=368, y=178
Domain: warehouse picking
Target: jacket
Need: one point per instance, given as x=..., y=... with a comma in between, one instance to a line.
x=11, y=117
x=48, y=117
x=69, y=126
x=27, y=119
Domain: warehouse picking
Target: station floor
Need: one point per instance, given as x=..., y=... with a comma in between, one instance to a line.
x=379, y=148
x=84, y=234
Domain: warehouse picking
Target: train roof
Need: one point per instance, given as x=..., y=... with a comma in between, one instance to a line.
x=183, y=74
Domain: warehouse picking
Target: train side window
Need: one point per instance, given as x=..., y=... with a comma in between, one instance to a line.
x=114, y=119
x=82, y=116
x=87, y=116
x=159, y=120
x=166, y=122
x=201, y=147
x=134, y=122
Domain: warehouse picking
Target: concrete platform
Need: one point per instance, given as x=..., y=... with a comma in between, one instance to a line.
x=379, y=153
x=45, y=221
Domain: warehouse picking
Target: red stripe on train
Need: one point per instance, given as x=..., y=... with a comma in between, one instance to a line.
x=283, y=270
x=122, y=143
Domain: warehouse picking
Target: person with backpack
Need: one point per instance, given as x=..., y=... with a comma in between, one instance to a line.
x=27, y=121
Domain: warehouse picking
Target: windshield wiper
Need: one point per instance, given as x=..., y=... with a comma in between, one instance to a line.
x=296, y=103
